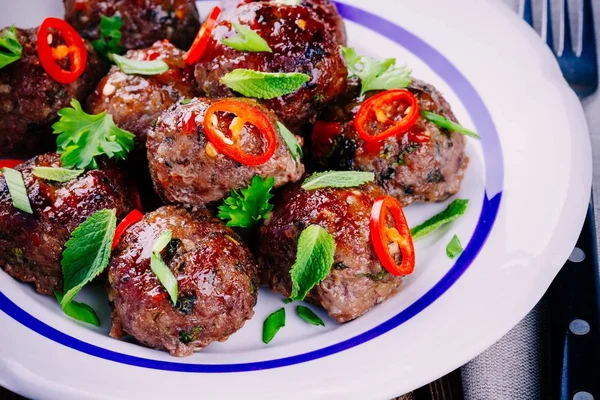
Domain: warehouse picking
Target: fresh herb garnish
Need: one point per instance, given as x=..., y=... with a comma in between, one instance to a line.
x=79, y=311
x=264, y=85
x=17, y=190
x=160, y=268
x=247, y=207
x=139, y=67
x=287, y=301
x=10, y=48
x=314, y=258
x=375, y=74
x=337, y=179
x=445, y=123
x=309, y=316
x=246, y=40
x=163, y=241
x=110, y=36
x=454, y=210
x=290, y=141
x=87, y=252
x=185, y=101
x=56, y=174
x=82, y=137
x=288, y=2
x=273, y=324
x=454, y=248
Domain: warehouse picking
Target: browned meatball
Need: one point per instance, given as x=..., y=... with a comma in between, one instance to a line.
x=185, y=167
x=144, y=21
x=409, y=171
x=216, y=277
x=357, y=281
x=135, y=101
x=31, y=245
x=30, y=98
x=300, y=43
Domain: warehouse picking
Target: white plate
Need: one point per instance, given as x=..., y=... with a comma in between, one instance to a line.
x=528, y=185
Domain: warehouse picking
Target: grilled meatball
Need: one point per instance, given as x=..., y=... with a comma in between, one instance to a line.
x=406, y=170
x=30, y=98
x=144, y=21
x=357, y=281
x=185, y=167
x=135, y=101
x=300, y=43
x=31, y=245
x=216, y=278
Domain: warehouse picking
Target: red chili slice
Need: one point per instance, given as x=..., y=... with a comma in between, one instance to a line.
x=202, y=38
x=10, y=163
x=391, y=236
x=74, y=48
x=379, y=111
x=131, y=218
x=245, y=113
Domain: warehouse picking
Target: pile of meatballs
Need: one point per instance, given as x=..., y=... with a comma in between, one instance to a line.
x=218, y=269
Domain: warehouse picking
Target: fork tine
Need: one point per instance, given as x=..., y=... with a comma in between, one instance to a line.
x=547, y=28
x=567, y=42
x=528, y=12
x=588, y=36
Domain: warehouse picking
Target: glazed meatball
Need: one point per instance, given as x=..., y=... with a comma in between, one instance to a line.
x=30, y=98
x=300, y=43
x=357, y=281
x=187, y=169
x=144, y=21
x=409, y=171
x=135, y=101
x=216, y=277
x=31, y=246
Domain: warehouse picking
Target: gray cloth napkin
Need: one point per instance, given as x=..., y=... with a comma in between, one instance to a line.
x=515, y=367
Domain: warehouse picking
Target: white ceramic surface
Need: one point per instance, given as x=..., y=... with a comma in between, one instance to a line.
x=537, y=170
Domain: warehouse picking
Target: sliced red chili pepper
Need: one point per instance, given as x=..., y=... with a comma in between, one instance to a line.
x=10, y=163
x=381, y=111
x=245, y=113
x=131, y=218
x=202, y=38
x=391, y=236
x=189, y=122
x=74, y=48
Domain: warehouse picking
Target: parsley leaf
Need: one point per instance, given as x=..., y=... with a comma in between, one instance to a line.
x=290, y=141
x=273, y=324
x=87, y=252
x=247, y=208
x=375, y=74
x=139, y=67
x=457, y=208
x=309, y=316
x=454, y=248
x=445, y=123
x=110, y=36
x=10, y=48
x=79, y=311
x=82, y=136
x=246, y=40
x=264, y=85
x=56, y=174
x=337, y=179
x=17, y=190
x=314, y=258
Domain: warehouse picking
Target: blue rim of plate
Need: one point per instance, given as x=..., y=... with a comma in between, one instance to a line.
x=491, y=202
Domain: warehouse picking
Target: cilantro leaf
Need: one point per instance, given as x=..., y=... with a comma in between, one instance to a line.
x=290, y=141
x=454, y=248
x=273, y=324
x=457, y=208
x=264, y=85
x=82, y=136
x=10, y=48
x=246, y=40
x=337, y=179
x=309, y=316
x=375, y=74
x=445, y=123
x=110, y=36
x=79, y=311
x=87, y=252
x=246, y=208
x=56, y=174
x=314, y=258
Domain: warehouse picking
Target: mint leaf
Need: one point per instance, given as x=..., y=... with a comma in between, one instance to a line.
x=56, y=174
x=314, y=258
x=17, y=190
x=247, y=208
x=290, y=141
x=264, y=85
x=246, y=40
x=110, y=36
x=164, y=275
x=82, y=137
x=79, y=311
x=10, y=48
x=457, y=208
x=87, y=252
x=273, y=324
x=309, y=316
x=337, y=179
x=445, y=123
x=139, y=67
x=454, y=248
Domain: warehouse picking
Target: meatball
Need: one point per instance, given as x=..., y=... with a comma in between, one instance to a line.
x=30, y=98
x=31, y=246
x=300, y=43
x=136, y=101
x=409, y=171
x=215, y=272
x=187, y=169
x=357, y=281
x=144, y=21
